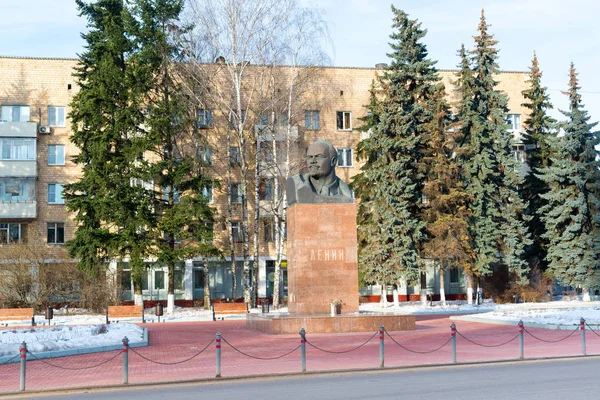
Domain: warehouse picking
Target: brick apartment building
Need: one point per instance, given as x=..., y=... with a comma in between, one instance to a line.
x=35, y=97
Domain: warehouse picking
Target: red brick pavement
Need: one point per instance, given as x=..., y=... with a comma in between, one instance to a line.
x=175, y=342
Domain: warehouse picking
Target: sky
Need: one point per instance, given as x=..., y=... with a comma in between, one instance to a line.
x=559, y=31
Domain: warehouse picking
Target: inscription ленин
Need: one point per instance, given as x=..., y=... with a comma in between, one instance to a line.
x=327, y=255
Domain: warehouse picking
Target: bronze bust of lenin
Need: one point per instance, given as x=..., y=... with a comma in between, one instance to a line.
x=320, y=184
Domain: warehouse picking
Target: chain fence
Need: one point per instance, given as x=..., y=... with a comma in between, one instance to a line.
x=41, y=365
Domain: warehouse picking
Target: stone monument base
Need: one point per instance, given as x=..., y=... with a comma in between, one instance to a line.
x=278, y=324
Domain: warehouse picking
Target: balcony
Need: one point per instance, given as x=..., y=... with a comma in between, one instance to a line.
x=26, y=209
x=18, y=168
x=18, y=129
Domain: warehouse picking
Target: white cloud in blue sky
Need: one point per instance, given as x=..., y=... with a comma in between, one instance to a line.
x=559, y=31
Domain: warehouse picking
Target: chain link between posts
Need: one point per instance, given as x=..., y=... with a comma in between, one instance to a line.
x=342, y=351
x=73, y=368
x=174, y=362
x=551, y=341
x=595, y=332
x=416, y=351
x=10, y=359
x=256, y=357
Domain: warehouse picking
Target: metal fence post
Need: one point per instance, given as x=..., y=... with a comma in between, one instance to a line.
x=303, y=348
x=23, y=355
x=453, y=334
x=521, y=345
x=582, y=329
x=381, y=359
x=218, y=351
x=125, y=360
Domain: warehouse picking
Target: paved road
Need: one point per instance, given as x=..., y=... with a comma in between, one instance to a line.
x=574, y=378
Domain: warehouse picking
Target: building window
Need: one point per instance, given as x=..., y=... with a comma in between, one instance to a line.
x=205, y=155
x=56, y=116
x=513, y=121
x=17, y=189
x=268, y=225
x=198, y=278
x=56, y=232
x=15, y=113
x=519, y=153
x=204, y=118
x=236, y=193
x=344, y=157
x=236, y=229
x=11, y=233
x=17, y=149
x=282, y=120
x=263, y=119
x=454, y=275
x=176, y=195
x=207, y=191
x=344, y=120
x=265, y=189
x=234, y=156
x=233, y=119
x=159, y=279
x=178, y=277
x=266, y=151
x=56, y=154
x=55, y=193
x=312, y=120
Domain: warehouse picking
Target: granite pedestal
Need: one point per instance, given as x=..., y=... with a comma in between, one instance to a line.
x=323, y=267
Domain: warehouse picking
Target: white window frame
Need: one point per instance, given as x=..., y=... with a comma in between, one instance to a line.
x=16, y=148
x=53, y=150
x=59, y=120
x=205, y=154
x=207, y=191
x=55, y=226
x=346, y=119
x=514, y=121
x=345, y=158
x=8, y=111
x=236, y=197
x=7, y=228
x=236, y=229
x=57, y=197
x=204, y=118
x=312, y=120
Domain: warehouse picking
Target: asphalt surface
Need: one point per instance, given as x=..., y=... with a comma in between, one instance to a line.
x=545, y=379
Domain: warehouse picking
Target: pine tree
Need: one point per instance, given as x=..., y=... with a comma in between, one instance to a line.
x=536, y=138
x=497, y=223
x=390, y=184
x=572, y=213
x=445, y=211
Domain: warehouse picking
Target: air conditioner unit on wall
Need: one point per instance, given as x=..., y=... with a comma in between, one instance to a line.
x=44, y=129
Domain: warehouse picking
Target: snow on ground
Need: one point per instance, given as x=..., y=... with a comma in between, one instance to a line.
x=76, y=328
x=67, y=337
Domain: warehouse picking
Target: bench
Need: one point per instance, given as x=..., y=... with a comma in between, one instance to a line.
x=228, y=308
x=116, y=312
x=13, y=314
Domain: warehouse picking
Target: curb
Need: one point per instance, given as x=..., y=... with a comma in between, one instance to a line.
x=515, y=323
x=76, y=352
x=299, y=374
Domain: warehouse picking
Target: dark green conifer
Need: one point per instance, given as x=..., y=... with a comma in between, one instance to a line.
x=390, y=185
x=539, y=130
x=572, y=213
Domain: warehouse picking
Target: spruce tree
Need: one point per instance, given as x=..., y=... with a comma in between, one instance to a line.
x=109, y=210
x=497, y=223
x=390, y=185
x=539, y=128
x=572, y=213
